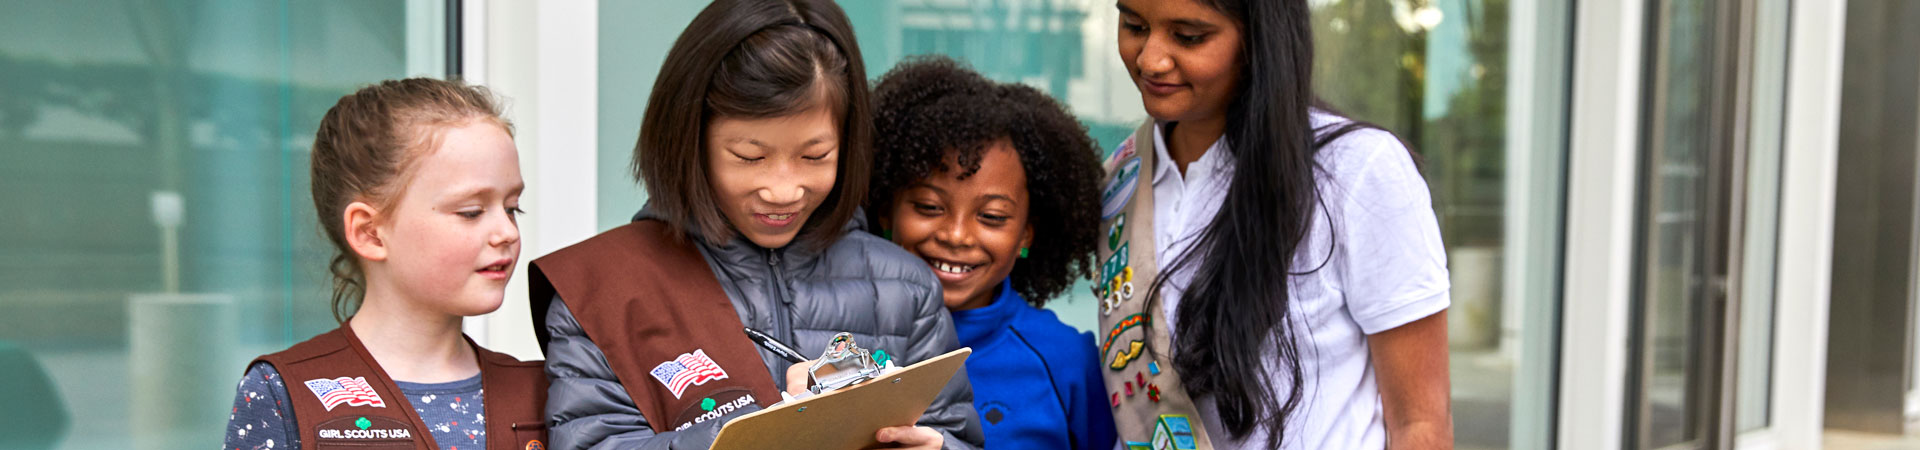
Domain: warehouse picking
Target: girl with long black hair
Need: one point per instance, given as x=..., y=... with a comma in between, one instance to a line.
x=1273, y=275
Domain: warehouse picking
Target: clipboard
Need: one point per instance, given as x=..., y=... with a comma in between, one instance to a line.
x=846, y=418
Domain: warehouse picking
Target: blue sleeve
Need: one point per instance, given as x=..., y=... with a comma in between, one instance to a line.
x=1090, y=420
x=262, y=417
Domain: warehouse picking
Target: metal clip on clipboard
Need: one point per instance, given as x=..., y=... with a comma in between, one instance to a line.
x=845, y=364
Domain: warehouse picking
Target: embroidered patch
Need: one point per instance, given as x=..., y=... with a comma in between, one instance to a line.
x=1134, y=348
x=1135, y=320
x=535, y=445
x=1173, y=431
x=1131, y=445
x=719, y=405
x=352, y=391
x=1115, y=232
x=1119, y=192
x=1120, y=361
x=1116, y=264
x=690, y=369
x=363, y=429
x=1121, y=153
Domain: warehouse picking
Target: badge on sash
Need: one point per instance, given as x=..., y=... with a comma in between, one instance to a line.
x=1173, y=432
x=1129, y=352
x=690, y=369
x=1119, y=154
x=1119, y=192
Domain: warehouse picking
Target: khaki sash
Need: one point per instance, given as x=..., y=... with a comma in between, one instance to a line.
x=1151, y=409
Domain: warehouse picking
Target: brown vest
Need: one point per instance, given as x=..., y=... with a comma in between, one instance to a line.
x=647, y=299
x=363, y=408
x=1151, y=408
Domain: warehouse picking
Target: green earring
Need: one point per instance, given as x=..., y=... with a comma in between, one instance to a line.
x=886, y=234
x=1023, y=253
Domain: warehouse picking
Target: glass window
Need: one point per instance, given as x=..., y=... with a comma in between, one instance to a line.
x=161, y=233
x=1477, y=88
x=1754, y=401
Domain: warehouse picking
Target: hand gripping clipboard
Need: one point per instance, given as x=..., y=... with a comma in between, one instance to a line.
x=846, y=418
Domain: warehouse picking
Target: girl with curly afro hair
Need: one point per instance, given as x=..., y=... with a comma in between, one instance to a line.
x=994, y=185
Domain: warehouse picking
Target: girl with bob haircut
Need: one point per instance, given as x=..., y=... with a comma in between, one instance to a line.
x=417, y=185
x=755, y=150
x=1278, y=279
x=992, y=185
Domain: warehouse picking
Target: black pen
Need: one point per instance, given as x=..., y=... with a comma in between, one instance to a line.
x=774, y=345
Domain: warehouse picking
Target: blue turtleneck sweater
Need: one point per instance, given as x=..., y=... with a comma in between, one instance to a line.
x=1036, y=381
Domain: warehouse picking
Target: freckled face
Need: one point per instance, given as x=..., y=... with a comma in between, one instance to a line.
x=1183, y=56
x=770, y=174
x=970, y=231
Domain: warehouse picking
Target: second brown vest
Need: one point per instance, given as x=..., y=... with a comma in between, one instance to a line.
x=648, y=300
x=343, y=399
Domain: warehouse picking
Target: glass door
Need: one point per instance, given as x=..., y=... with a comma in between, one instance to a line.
x=1709, y=179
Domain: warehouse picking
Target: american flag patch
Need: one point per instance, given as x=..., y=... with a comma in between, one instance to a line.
x=352, y=391
x=690, y=369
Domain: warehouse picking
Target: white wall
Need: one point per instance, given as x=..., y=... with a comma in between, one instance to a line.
x=542, y=57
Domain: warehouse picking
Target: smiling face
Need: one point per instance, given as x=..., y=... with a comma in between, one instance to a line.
x=1182, y=55
x=452, y=236
x=769, y=175
x=970, y=231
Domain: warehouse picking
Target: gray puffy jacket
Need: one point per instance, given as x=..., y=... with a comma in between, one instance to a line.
x=885, y=297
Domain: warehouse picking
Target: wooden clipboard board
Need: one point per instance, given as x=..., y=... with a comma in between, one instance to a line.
x=846, y=418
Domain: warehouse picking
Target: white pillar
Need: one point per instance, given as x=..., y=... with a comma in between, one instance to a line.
x=543, y=58
x=1810, y=159
x=1601, y=187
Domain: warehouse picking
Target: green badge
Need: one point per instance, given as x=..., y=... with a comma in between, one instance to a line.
x=706, y=404
x=363, y=423
x=1115, y=233
x=1114, y=264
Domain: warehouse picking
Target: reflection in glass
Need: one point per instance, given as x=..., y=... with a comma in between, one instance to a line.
x=1437, y=73
x=1673, y=380
x=155, y=166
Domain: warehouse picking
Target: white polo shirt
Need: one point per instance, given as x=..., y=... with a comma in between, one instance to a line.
x=1381, y=265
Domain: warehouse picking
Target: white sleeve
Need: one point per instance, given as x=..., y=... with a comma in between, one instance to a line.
x=1391, y=266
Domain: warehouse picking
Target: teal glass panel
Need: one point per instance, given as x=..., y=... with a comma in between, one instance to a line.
x=154, y=157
